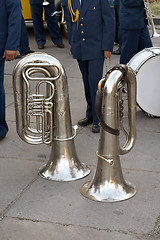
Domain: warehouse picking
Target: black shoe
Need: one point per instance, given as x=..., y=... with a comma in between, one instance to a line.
x=85, y=121
x=1, y=138
x=60, y=45
x=116, y=52
x=95, y=128
x=30, y=51
x=41, y=46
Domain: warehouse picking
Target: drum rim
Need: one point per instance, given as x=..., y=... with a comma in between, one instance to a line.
x=139, y=66
x=150, y=50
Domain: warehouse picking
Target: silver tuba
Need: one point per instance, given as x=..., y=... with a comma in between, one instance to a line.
x=43, y=114
x=45, y=3
x=150, y=19
x=108, y=184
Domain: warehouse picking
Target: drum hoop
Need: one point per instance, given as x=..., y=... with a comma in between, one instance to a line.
x=155, y=51
x=145, y=60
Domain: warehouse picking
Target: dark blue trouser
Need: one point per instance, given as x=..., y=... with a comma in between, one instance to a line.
x=133, y=41
x=68, y=22
x=37, y=12
x=3, y=124
x=92, y=71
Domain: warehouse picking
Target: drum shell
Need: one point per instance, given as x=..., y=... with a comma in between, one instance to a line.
x=146, y=65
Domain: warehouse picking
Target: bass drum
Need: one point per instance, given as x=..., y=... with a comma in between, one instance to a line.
x=146, y=65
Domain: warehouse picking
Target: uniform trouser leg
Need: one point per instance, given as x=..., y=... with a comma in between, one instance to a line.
x=116, y=8
x=92, y=71
x=37, y=12
x=52, y=24
x=24, y=42
x=83, y=65
x=68, y=22
x=3, y=124
x=133, y=41
x=145, y=40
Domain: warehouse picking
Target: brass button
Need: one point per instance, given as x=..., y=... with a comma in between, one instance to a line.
x=81, y=24
x=94, y=8
x=82, y=32
x=83, y=39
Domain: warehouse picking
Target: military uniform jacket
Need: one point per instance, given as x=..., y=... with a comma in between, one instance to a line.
x=10, y=19
x=132, y=14
x=95, y=30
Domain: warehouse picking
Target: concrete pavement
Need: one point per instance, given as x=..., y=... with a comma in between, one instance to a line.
x=34, y=208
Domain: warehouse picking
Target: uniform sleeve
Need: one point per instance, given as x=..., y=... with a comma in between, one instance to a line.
x=14, y=24
x=108, y=15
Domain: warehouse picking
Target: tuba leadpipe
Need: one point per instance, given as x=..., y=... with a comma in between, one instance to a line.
x=150, y=19
x=43, y=114
x=108, y=184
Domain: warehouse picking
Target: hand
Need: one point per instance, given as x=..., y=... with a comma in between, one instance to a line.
x=9, y=54
x=107, y=54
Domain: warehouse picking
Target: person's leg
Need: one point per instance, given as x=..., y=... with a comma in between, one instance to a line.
x=129, y=47
x=95, y=72
x=145, y=40
x=3, y=124
x=52, y=24
x=83, y=66
x=68, y=22
x=116, y=23
x=37, y=12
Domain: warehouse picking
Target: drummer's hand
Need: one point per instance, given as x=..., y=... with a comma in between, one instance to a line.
x=107, y=54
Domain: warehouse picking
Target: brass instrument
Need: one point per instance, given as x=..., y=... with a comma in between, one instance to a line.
x=45, y=3
x=43, y=114
x=150, y=19
x=108, y=184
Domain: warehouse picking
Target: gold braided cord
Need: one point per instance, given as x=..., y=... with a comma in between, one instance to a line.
x=73, y=14
x=76, y=14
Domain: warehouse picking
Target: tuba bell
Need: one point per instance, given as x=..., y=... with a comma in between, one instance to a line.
x=43, y=114
x=108, y=184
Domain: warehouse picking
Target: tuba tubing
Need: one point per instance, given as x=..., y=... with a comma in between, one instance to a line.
x=108, y=183
x=131, y=96
x=51, y=112
x=21, y=76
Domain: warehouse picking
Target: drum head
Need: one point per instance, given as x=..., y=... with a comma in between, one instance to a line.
x=148, y=86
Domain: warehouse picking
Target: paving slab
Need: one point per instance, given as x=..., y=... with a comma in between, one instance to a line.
x=60, y=202
x=17, y=176
x=40, y=230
